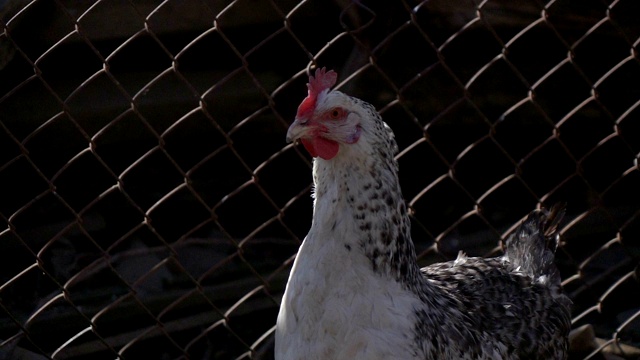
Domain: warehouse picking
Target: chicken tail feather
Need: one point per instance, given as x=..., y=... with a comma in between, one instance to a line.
x=532, y=246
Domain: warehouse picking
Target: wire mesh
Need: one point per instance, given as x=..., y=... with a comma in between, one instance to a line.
x=150, y=208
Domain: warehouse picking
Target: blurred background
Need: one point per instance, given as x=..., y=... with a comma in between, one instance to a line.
x=150, y=207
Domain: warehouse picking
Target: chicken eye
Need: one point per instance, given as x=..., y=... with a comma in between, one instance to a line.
x=336, y=113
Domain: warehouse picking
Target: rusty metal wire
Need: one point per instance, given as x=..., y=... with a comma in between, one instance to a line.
x=150, y=208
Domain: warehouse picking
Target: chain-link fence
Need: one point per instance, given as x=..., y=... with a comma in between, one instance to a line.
x=150, y=207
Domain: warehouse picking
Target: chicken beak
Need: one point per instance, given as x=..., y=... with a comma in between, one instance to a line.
x=297, y=130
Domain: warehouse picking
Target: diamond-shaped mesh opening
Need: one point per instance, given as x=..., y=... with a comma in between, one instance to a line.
x=46, y=24
x=501, y=86
x=484, y=241
x=91, y=296
x=398, y=116
x=160, y=113
x=573, y=20
x=192, y=138
x=424, y=155
x=522, y=129
x=439, y=22
x=15, y=255
x=440, y=204
x=483, y=156
x=308, y=18
x=41, y=219
x=253, y=133
x=219, y=336
x=547, y=167
x=595, y=224
x=82, y=180
x=137, y=62
x=9, y=148
x=233, y=99
x=335, y=50
x=62, y=74
x=123, y=141
x=230, y=211
x=629, y=235
x=93, y=116
x=584, y=128
x=194, y=60
x=628, y=128
x=396, y=45
x=506, y=203
x=257, y=303
x=484, y=47
x=622, y=17
x=461, y=114
x=110, y=218
x=151, y=208
x=539, y=42
x=275, y=60
x=30, y=104
x=622, y=77
x=58, y=133
x=602, y=167
x=138, y=180
x=70, y=251
x=230, y=20
x=427, y=96
x=265, y=244
x=368, y=75
x=597, y=42
x=521, y=16
x=207, y=177
x=120, y=17
x=564, y=81
x=21, y=302
x=167, y=18
x=47, y=317
x=21, y=182
x=575, y=190
x=225, y=266
x=15, y=67
x=269, y=177
x=301, y=205
x=126, y=307
x=179, y=204
x=617, y=196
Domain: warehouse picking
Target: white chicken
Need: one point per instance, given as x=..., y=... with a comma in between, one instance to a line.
x=356, y=291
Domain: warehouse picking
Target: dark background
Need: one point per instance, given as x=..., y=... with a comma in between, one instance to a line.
x=150, y=207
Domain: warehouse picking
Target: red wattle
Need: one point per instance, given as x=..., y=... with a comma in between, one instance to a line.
x=319, y=146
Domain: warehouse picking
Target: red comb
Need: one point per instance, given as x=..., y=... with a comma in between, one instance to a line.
x=322, y=81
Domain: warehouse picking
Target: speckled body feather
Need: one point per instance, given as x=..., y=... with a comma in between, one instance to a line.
x=357, y=292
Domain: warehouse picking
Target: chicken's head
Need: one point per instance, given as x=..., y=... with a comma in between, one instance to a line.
x=326, y=119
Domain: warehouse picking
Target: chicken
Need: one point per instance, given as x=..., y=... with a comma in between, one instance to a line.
x=356, y=290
